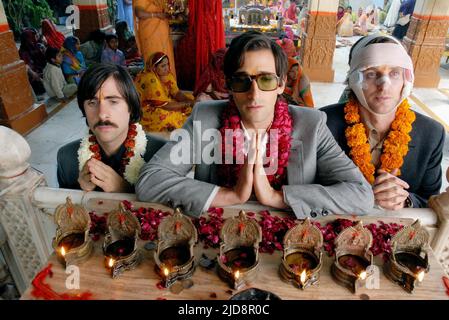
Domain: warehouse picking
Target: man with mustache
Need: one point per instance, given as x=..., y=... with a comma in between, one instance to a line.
x=306, y=171
x=109, y=158
x=398, y=151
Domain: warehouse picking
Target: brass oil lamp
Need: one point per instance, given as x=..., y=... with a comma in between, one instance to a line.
x=302, y=257
x=353, y=259
x=72, y=243
x=238, y=259
x=408, y=262
x=174, y=254
x=120, y=243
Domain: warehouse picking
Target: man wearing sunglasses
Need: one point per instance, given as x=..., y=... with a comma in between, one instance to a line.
x=398, y=151
x=283, y=156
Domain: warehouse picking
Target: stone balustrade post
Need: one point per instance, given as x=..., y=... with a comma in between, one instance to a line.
x=440, y=243
x=20, y=219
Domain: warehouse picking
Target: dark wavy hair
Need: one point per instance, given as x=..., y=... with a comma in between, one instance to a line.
x=94, y=78
x=253, y=41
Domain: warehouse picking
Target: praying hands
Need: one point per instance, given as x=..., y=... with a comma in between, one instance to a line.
x=96, y=173
x=252, y=177
x=390, y=191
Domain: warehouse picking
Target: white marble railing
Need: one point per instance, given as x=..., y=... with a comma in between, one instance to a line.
x=27, y=207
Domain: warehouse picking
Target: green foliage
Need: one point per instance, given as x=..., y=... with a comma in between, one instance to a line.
x=26, y=13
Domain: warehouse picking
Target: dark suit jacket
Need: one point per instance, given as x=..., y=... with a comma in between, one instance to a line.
x=67, y=159
x=422, y=164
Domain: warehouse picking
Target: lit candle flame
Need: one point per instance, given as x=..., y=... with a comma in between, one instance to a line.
x=111, y=263
x=165, y=272
x=420, y=276
x=303, y=276
x=237, y=274
x=362, y=275
x=62, y=251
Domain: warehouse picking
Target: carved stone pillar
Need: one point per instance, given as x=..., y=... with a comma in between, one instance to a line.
x=17, y=107
x=19, y=218
x=93, y=15
x=425, y=40
x=318, y=42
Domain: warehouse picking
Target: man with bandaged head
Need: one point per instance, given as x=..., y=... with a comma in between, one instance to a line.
x=399, y=151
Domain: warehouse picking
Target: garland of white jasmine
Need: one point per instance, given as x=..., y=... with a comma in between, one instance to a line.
x=135, y=144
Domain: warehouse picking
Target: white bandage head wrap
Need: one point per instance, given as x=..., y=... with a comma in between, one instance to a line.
x=374, y=55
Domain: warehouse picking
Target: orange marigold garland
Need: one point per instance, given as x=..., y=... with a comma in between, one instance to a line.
x=395, y=146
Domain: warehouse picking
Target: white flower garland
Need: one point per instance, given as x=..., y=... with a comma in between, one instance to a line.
x=136, y=162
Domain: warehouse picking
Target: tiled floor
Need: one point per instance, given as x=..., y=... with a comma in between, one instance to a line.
x=68, y=124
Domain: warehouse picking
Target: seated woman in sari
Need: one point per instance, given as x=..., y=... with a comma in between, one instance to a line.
x=297, y=87
x=54, y=38
x=73, y=65
x=123, y=33
x=32, y=54
x=92, y=49
x=287, y=45
x=345, y=25
x=290, y=14
x=211, y=85
x=164, y=106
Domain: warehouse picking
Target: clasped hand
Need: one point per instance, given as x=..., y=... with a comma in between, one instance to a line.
x=96, y=173
x=390, y=191
x=253, y=177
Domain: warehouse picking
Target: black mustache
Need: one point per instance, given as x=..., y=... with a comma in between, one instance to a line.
x=105, y=123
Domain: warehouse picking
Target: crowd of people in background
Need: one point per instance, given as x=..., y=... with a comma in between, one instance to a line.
x=394, y=18
x=55, y=63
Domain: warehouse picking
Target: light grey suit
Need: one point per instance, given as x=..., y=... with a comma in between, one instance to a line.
x=321, y=178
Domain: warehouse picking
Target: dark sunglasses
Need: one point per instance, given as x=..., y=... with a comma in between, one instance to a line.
x=243, y=82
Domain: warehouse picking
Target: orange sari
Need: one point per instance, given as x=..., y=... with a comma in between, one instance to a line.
x=300, y=92
x=153, y=34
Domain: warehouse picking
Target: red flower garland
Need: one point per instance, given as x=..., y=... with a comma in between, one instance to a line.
x=129, y=144
x=282, y=121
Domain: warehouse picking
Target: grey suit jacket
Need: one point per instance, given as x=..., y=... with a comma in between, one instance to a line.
x=321, y=178
x=67, y=159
